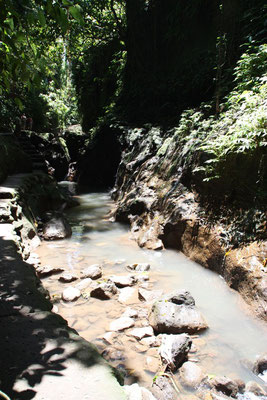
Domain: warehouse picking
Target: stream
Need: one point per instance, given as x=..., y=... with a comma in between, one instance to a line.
x=234, y=338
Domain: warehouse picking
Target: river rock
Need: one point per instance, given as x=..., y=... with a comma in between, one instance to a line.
x=136, y=392
x=140, y=333
x=130, y=312
x=163, y=389
x=93, y=272
x=180, y=297
x=139, y=267
x=67, y=277
x=176, y=313
x=121, y=323
x=56, y=228
x=255, y=388
x=142, y=277
x=260, y=365
x=191, y=375
x=174, y=349
x=71, y=294
x=151, y=341
x=123, y=281
x=104, y=291
x=225, y=385
x=86, y=283
x=113, y=354
x=48, y=270
x=149, y=295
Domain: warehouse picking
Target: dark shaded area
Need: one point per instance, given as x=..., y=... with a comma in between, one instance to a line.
x=172, y=55
x=242, y=180
x=28, y=326
x=99, y=165
x=96, y=81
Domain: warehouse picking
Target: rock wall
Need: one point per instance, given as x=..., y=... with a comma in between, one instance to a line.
x=166, y=210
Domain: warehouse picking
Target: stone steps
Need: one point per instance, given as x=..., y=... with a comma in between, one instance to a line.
x=38, y=162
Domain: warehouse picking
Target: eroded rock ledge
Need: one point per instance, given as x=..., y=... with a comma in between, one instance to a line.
x=165, y=209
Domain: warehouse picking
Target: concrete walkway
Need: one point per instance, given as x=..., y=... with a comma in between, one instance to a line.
x=41, y=358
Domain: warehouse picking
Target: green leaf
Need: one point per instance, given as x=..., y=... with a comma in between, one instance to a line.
x=66, y=3
x=10, y=23
x=75, y=11
x=19, y=103
x=41, y=18
x=63, y=20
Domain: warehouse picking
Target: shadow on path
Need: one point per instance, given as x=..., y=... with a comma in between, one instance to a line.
x=39, y=352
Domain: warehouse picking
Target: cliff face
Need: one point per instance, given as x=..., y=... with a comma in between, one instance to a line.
x=158, y=193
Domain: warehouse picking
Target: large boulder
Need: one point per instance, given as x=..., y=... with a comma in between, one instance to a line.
x=57, y=228
x=174, y=350
x=176, y=313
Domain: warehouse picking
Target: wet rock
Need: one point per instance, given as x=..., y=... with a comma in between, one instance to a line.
x=56, y=228
x=104, y=291
x=86, y=283
x=109, y=337
x=93, y=272
x=167, y=316
x=34, y=259
x=71, y=294
x=121, y=323
x=152, y=341
x=128, y=295
x=174, y=349
x=141, y=267
x=67, y=277
x=48, y=270
x=180, y=297
x=191, y=375
x=149, y=295
x=225, y=385
x=163, y=389
x=136, y=392
x=130, y=312
x=260, y=365
x=241, y=385
x=255, y=388
x=142, y=277
x=123, y=281
x=140, y=333
x=113, y=354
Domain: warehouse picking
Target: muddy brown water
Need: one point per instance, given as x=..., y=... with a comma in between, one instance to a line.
x=233, y=340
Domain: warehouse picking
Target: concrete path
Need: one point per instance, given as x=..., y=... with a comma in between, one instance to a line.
x=42, y=358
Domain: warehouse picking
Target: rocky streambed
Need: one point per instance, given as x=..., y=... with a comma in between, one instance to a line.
x=162, y=320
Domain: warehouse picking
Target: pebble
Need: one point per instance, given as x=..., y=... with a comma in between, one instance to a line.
x=93, y=271
x=67, y=277
x=47, y=270
x=139, y=267
x=121, y=323
x=140, y=333
x=71, y=294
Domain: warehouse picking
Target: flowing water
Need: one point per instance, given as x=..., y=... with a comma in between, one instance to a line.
x=234, y=338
